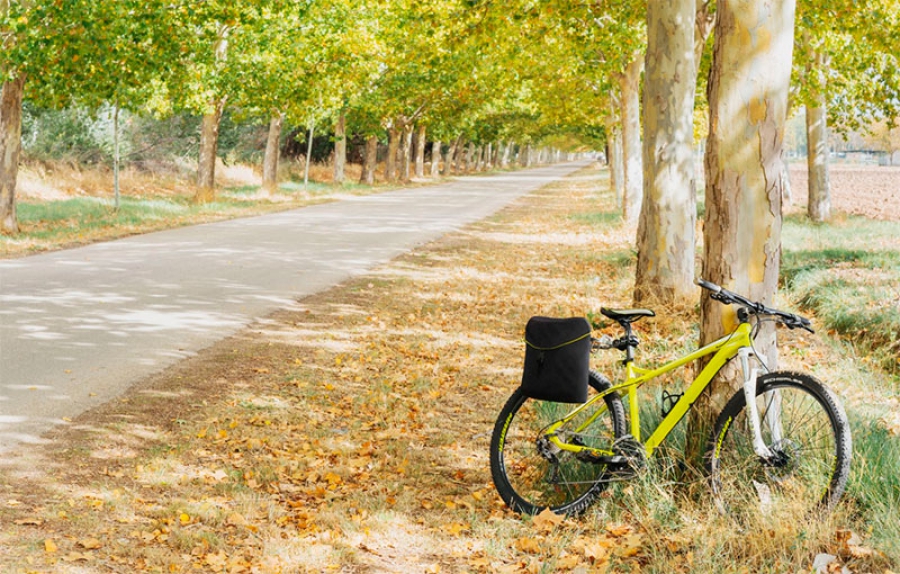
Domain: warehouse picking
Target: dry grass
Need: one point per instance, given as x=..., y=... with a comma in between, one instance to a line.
x=352, y=435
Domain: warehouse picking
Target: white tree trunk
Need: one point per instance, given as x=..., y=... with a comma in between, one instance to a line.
x=630, y=87
x=748, y=96
x=420, y=152
x=819, y=187
x=406, y=153
x=665, y=242
x=435, y=158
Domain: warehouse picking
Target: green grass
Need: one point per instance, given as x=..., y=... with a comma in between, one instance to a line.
x=598, y=218
x=875, y=483
x=848, y=273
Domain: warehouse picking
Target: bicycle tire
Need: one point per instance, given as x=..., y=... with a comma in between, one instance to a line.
x=529, y=482
x=811, y=465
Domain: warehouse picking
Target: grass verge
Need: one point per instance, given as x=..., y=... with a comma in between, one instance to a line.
x=848, y=274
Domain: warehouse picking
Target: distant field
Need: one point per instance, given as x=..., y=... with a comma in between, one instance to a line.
x=869, y=190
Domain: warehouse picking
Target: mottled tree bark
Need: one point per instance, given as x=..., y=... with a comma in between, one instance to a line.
x=630, y=88
x=507, y=151
x=449, y=157
x=435, y=158
x=819, y=187
x=665, y=241
x=370, y=162
x=406, y=153
x=209, y=145
x=615, y=160
x=273, y=151
x=10, y=150
x=390, y=167
x=748, y=95
x=460, y=164
x=420, y=151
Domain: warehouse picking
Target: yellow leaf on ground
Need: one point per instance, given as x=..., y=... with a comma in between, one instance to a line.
x=77, y=557
x=619, y=530
x=547, y=520
x=455, y=529
x=528, y=546
x=50, y=547
x=184, y=518
x=90, y=543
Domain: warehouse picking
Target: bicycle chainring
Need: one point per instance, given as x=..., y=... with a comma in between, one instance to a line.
x=633, y=451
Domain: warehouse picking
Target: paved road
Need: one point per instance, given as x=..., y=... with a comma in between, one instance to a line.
x=78, y=327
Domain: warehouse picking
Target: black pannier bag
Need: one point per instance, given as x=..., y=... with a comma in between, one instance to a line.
x=557, y=353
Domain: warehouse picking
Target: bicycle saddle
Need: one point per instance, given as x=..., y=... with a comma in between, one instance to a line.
x=627, y=315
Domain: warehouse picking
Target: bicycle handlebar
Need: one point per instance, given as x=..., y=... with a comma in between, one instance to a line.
x=789, y=320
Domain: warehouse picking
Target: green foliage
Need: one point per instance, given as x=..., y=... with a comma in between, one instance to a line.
x=66, y=135
x=75, y=134
x=847, y=50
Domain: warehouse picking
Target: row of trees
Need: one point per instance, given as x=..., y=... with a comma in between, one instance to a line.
x=366, y=67
x=766, y=57
x=643, y=79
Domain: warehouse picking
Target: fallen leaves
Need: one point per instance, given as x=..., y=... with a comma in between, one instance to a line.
x=360, y=423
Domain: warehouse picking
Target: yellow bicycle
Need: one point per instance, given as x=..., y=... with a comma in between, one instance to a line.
x=784, y=437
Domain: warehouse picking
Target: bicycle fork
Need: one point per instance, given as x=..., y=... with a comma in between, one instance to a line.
x=773, y=410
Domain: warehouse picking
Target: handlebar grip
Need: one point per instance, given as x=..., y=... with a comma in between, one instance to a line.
x=709, y=286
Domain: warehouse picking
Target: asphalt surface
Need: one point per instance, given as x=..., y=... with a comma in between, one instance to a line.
x=79, y=327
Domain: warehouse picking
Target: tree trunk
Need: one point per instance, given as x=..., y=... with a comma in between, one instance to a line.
x=390, y=167
x=748, y=95
x=526, y=156
x=209, y=144
x=615, y=160
x=819, y=194
x=116, y=191
x=460, y=164
x=340, y=148
x=630, y=86
x=10, y=150
x=420, y=152
x=273, y=151
x=406, y=153
x=435, y=158
x=449, y=157
x=507, y=150
x=665, y=241
x=309, y=144
x=472, y=157
x=370, y=163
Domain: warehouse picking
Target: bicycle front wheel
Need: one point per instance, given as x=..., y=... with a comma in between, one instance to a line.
x=806, y=430
x=528, y=472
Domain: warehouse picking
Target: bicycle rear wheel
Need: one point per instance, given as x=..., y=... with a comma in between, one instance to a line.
x=804, y=426
x=528, y=476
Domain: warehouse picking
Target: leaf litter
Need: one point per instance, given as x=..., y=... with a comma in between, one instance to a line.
x=348, y=434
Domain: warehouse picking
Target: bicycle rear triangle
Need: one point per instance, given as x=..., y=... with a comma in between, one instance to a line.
x=783, y=438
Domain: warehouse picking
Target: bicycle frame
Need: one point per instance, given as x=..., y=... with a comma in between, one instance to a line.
x=737, y=343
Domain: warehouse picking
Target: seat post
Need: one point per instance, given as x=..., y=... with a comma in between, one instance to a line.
x=628, y=342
